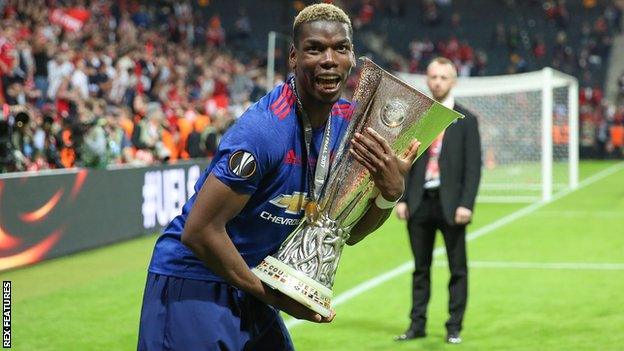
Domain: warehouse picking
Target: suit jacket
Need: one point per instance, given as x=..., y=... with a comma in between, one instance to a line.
x=460, y=169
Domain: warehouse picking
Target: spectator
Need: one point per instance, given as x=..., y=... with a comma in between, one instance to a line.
x=620, y=83
x=539, y=48
x=499, y=35
x=80, y=80
x=41, y=55
x=242, y=26
x=94, y=146
x=365, y=15
x=215, y=35
x=431, y=14
x=613, y=16
x=147, y=136
x=46, y=142
x=513, y=38
x=8, y=58
x=58, y=68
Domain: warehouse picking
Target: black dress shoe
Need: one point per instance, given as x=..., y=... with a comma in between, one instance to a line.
x=411, y=333
x=453, y=338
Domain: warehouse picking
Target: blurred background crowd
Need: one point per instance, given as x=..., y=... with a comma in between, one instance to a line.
x=96, y=83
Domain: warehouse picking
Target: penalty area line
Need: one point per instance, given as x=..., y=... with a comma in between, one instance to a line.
x=407, y=266
x=577, y=266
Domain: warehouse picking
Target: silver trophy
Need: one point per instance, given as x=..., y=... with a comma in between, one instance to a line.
x=305, y=265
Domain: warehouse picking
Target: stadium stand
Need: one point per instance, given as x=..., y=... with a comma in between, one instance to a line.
x=93, y=83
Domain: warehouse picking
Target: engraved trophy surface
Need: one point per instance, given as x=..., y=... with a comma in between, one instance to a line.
x=305, y=265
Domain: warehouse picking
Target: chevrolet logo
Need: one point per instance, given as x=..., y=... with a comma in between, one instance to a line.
x=293, y=204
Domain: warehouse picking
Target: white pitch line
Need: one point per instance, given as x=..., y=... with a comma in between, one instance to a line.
x=407, y=266
x=542, y=265
x=580, y=213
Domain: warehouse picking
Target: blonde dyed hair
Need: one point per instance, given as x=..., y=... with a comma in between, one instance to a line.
x=320, y=12
x=444, y=61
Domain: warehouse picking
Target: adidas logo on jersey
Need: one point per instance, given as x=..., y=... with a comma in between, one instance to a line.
x=291, y=158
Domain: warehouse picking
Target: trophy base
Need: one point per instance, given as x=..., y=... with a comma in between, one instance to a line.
x=295, y=284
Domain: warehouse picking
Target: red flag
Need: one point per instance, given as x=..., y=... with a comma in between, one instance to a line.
x=71, y=19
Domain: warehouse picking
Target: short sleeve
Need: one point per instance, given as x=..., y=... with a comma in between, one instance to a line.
x=246, y=153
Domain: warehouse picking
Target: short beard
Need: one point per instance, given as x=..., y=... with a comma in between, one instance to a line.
x=443, y=97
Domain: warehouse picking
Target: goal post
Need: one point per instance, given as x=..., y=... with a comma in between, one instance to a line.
x=529, y=132
x=274, y=39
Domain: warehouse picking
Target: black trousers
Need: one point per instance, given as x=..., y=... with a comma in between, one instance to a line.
x=422, y=230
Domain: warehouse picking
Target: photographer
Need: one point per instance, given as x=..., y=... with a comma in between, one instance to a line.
x=7, y=160
x=46, y=141
x=22, y=139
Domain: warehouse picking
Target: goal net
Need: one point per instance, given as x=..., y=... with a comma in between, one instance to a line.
x=529, y=132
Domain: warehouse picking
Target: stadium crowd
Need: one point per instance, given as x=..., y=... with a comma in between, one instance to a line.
x=527, y=35
x=116, y=82
x=93, y=83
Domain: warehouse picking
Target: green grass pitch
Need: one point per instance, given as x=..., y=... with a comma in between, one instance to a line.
x=553, y=279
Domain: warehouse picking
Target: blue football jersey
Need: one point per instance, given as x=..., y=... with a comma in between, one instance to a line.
x=263, y=155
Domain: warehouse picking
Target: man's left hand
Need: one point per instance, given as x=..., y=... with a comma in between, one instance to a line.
x=463, y=215
x=387, y=169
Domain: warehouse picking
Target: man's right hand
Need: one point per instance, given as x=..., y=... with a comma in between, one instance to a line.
x=292, y=307
x=402, y=211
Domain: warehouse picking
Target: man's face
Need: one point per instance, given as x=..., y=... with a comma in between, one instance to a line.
x=322, y=60
x=440, y=80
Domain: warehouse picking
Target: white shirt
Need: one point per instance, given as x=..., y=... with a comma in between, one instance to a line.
x=80, y=81
x=434, y=183
x=449, y=102
x=56, y=73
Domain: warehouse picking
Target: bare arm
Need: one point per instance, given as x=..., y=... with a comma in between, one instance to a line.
x=372, y=219
x=205, y=234
x=388, y=171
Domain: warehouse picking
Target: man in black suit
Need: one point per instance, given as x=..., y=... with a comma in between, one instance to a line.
x=440, y=195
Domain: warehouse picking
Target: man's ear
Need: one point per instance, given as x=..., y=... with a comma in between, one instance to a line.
x=292, y=57
x=353, y=60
